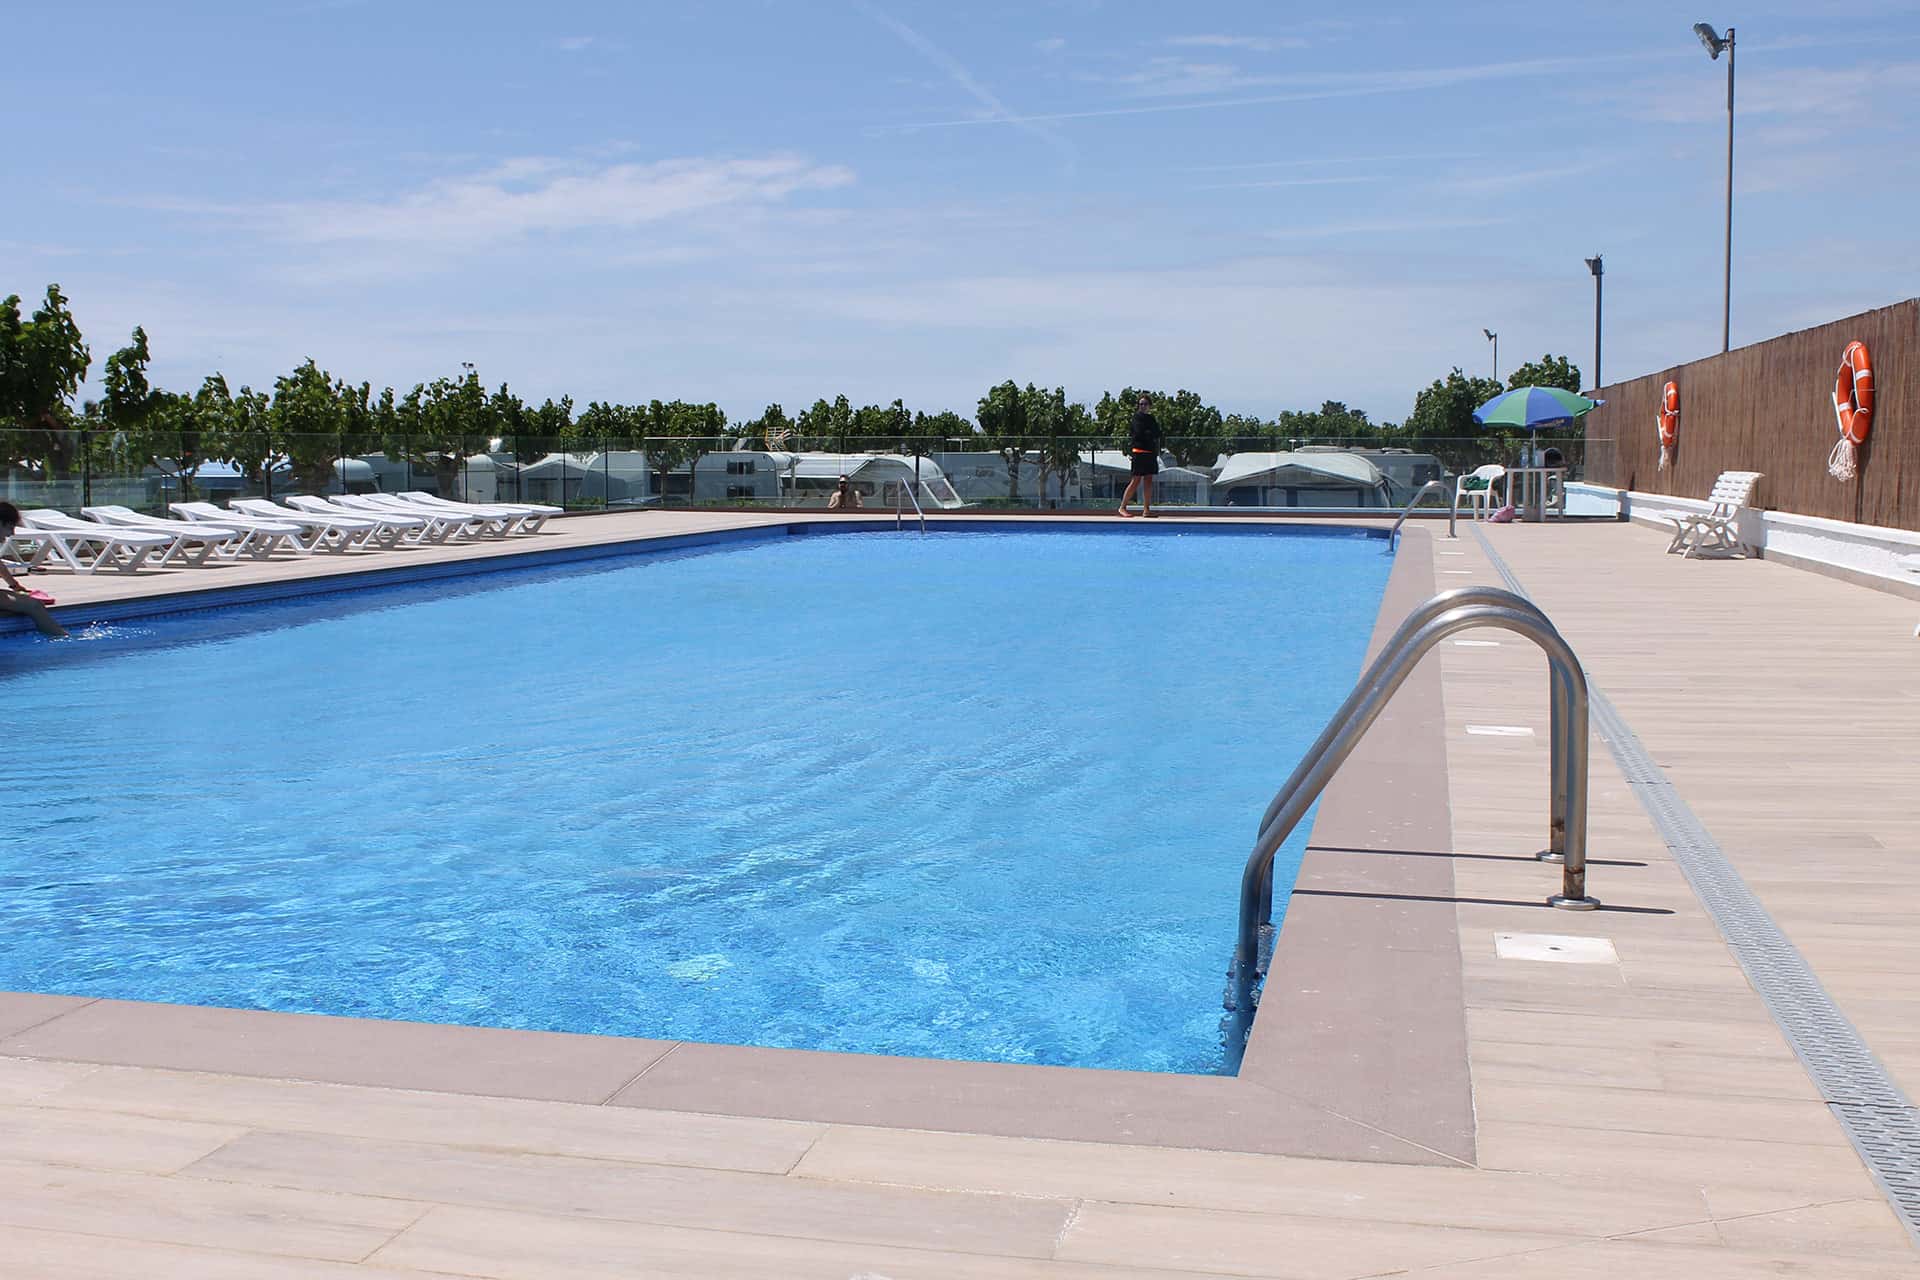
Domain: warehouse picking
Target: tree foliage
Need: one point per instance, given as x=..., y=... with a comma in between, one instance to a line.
x=1445, y=409
x=1547, y=371
x=1002, y=414
x=311, y=419
x=43, y=361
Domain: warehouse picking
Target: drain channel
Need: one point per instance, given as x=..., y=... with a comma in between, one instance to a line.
x=1880, y=1120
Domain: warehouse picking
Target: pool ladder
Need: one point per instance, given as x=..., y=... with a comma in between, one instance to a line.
x=1444, y=615
x=1431, y=486
x=900, y=501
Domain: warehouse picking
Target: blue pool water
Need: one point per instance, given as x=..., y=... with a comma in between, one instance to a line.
x=970, y=795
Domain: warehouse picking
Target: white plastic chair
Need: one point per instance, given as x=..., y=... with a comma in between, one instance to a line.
x=1479, y=501
x=1718, y=529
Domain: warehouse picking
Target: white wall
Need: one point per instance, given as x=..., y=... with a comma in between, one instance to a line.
x=1866, y=553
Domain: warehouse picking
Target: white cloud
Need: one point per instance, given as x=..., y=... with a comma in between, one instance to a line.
x=1383, y=227
x=540, y=194
x=1253, y=44
x=1342, y=180
x=1166, y=79
x=1832, y=93
x=1052, y=44
x=573, y=44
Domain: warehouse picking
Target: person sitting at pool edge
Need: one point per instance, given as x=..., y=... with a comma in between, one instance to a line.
x=14, y=599
x=1143, y=440
x=844, y=496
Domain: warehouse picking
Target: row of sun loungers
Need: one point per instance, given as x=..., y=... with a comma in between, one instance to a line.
x=126, y=540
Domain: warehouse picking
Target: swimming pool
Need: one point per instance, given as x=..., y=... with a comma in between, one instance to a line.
x=970, y=795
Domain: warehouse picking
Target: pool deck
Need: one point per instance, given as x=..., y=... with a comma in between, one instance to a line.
x=1643, y=1116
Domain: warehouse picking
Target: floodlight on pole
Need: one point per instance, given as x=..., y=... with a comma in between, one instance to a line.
x=1494, y=338
x=1714, y=44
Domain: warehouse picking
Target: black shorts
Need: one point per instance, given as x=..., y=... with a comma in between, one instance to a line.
x=1146, y=464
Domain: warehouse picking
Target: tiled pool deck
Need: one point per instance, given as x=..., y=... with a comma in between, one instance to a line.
x=1643, y=1117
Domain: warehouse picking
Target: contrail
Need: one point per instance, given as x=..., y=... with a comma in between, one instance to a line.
x=1002, y=114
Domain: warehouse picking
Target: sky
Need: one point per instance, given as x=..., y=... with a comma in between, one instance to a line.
x=748, y=201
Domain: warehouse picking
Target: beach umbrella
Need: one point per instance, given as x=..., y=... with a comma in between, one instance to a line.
x=1534, y=408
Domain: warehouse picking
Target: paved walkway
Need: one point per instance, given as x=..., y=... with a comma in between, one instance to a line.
x=1636, y=1117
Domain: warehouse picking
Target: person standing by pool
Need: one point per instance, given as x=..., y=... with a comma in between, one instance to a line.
x=845, y=496
x=15, y=599
x=1143, y=448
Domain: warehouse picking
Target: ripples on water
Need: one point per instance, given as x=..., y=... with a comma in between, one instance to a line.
x=968, y=796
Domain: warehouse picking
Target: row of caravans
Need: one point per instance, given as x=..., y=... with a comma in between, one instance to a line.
x=1316, y=476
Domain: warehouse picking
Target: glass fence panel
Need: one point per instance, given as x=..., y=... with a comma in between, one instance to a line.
x=73, y=469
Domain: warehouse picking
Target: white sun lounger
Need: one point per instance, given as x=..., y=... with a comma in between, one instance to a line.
x=479, y=522
x=271, y=533
x=1718, y=529
x=216, y=541
x=441, y=526
x=85, y=547
x=531, y=514
x=394, y=528
x=333, y=528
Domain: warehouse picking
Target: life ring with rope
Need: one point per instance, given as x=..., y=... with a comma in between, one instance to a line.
x=1852, y=409
x=1668, y=421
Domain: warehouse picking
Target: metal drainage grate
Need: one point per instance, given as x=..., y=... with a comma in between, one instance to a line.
x=1881, y=1121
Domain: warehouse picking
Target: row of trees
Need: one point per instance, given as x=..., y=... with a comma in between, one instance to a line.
x=310, y=418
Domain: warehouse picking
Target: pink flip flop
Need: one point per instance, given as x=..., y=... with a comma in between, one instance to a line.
x=41, y=596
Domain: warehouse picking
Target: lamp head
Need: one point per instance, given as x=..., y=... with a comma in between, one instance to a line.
x=1491, y=335
x=1593, y=264
x=1709, y=39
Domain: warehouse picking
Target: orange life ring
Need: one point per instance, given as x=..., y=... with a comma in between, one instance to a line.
x=1853, y=394
x=1668, y=419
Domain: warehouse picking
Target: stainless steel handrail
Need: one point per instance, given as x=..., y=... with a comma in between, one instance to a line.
x=1388, y=672
x=1452, y=510
x=1558, y=697
x=899, y=507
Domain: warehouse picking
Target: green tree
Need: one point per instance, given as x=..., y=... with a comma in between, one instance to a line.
x=602, y=425
x=1444, y=410
x=940, y=428
x=1073, y=431
x=247, y=436
x=1002, y=415
x=547, y=426
x=171, y=433
x=43, y=361
x=1192, y=429
x=1547, y=371
x=682, y=434
x=1241, y=433
x=825, y=426
x=439, y=425
x=316, y=422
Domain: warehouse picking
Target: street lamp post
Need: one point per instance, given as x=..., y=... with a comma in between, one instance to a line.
x=1494, y=338
x=1593, y=265
x=1714, y=44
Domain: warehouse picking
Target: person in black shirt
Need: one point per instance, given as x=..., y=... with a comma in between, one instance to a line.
x=1144, y=448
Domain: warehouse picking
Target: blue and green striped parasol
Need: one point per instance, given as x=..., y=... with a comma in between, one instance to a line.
x=1534, y=408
